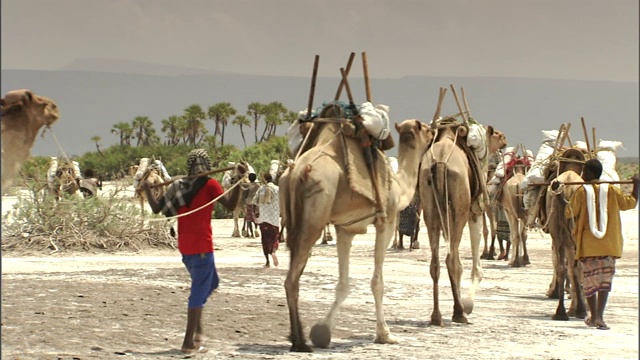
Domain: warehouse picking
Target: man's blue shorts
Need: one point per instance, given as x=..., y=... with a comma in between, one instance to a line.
x=204, y=277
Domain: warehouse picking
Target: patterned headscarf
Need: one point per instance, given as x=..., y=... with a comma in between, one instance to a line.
x=198, y=161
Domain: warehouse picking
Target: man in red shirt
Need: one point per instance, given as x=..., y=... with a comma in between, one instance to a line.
x=195, y=239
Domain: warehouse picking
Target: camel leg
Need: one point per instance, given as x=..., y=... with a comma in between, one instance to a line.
x=434, y=270
x=577, y=307
x=486, y=253
x=454, y=268
x=475, y=226
x=236, y=220
x=299, y=249
x=561, y=311
x=514, y=232
x=502, y=252
x=523, y=239
x=321, y=332
x=383, y=237
x=396, y=231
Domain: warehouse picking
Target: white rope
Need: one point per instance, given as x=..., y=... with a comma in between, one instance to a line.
x=201, y=207
x=58, y=144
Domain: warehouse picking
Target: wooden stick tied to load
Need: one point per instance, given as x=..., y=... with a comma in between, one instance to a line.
x=455, y=95
x=365, y=67
x=349, y=63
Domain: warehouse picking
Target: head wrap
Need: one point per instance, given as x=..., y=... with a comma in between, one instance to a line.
x=198, y=161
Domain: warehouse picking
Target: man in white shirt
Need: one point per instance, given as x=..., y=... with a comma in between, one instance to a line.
x=268, y=217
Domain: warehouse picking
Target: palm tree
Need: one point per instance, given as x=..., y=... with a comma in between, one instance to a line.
x=124, y=131
x=195, y=129
x=96, y=139
x=143, y=128
x=274, y=116
x=255, y=110
x=220, y=113
x=241, y=121
x=171, y=126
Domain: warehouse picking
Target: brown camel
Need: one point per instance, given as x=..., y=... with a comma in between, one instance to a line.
x=562, y=241
x=239, y=207
x=23, y=113
x=447, y=185
x=152, y=175
x=512, y=202
x=65, y=181
x=316, y=191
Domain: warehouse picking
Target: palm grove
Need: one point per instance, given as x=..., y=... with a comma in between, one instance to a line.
x=181, y=133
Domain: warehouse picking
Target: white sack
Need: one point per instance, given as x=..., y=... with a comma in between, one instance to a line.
x=76, y=170
x=295, y=138
x=375, y=119
x=536, y=172
x=273, y=169
x=163, y=171
x=580, y=145
x=144, y=163
x=509, y=154
x=53, y=167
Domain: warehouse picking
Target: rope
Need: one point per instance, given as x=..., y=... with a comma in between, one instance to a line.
x=201, y=207
x=58, y=143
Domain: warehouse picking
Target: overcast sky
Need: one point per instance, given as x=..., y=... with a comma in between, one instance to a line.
x=564, y=39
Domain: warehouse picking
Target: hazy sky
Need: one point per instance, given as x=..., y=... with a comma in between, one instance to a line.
x=565, y=39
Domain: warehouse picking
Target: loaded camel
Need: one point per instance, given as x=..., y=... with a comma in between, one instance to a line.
x=511, y=200
x=23, y=113
x=452, y=184
x=313, y=193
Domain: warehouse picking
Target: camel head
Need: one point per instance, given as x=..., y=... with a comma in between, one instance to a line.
x=413, y=134
x=22, y=108
x=496, y=139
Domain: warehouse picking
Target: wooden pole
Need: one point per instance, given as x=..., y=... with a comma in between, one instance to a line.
x=584, y=182
x=367, y=86
x=443, y=91
x=349, y=63
x=593, y=133
x=455, y=95
x=464, y=99
x=210, y=172
x=313, y=86
x=586, y=137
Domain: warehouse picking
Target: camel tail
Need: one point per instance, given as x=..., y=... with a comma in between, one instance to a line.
x=439, y=183
x=518, y=203
x=294, y=211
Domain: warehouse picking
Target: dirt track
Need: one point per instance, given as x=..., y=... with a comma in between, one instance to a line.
x=92, y=306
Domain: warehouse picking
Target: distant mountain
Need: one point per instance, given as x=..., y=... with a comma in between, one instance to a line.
x=131, y=67
x=91, y=102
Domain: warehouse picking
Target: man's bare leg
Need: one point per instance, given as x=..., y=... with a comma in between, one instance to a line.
x=593, y=314
x=193, y=318
x=603, y=296
x=275, y=259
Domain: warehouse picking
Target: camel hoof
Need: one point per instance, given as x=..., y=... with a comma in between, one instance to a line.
x=436, y=321
x=467, y=305
x=491, y=257
x=484, y=256
x=526, y=262
x=581, y=314
x=560, y=317
x=460, y=319
x=415, y=245
x=301, y=348
x=386, y=339
x=320, y=335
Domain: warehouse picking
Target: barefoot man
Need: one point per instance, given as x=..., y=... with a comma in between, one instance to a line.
x=266, y=198
x=195, y=238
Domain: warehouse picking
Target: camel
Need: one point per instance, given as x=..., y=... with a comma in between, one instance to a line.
x=23, y=113
x=316, y=191
x=152, y=175
x=512, y=202
x=239, y=207
x=447, y=186
x=562, y=241
x=489, y=253
x=64, y=181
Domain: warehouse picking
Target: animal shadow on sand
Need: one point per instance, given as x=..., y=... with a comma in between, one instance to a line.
x=336, y=346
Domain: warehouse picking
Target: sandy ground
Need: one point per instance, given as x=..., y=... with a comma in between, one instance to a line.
x=96, y=306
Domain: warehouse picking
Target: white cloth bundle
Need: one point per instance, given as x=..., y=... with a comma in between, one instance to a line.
x=144, y=163
x=375, y=119
x=53, y=167
x=536, y=172
x=477, y=140
x=163, y=171
x=273, y=169
x=580, y=145
x=76, y=170
x=598, y=228
x=509, y=153
x=606, y=154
